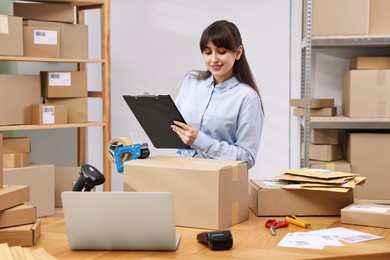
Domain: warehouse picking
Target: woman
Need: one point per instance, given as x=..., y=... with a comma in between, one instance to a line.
x=222, y=105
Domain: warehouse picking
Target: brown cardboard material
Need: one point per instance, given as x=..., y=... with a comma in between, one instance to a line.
x=1, y=161
x=366, y=93
x=314, y=102
x=77, y=108
x=13, y=145
x=369, y=63
x=11, y=35
x=267, y=200
x=340, y=165
x=379, y=17
x=340, y=17
x=45, y=11
x=209, y=194
x=326, y=111
x=64, y=84
x=65, y=177
x=18, y=215
x=49, y=114
x=74, y=38
x=17, y=93
x=324, y=136
x=24, y=235
x=325, y=152
x=41, y=42
x=40, y=179
x=369, y=155
x=366, y=214
x=16, y=160
x=12, y=195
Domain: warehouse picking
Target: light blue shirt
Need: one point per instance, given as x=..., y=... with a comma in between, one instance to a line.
x=229, y=117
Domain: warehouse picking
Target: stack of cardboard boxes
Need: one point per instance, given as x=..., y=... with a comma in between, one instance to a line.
x=43, y=30
x=19, y=225
x=318, y=107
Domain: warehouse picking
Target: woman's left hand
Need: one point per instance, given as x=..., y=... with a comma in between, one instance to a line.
x=187, y=133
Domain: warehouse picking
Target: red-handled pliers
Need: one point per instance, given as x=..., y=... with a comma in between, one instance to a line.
x=272, y=224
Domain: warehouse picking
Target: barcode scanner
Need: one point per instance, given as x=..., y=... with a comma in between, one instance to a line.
x=89, y=178
x=216, y=240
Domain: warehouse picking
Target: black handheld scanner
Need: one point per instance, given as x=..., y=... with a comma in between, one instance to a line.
x=89, y=178
x=216, y=240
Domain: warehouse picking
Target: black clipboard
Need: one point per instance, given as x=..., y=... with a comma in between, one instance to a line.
x=156, y=115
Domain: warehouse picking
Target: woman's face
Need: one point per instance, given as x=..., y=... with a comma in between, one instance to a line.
x=219, y=61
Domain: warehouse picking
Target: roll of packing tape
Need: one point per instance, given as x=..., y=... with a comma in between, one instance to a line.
x=118, y=142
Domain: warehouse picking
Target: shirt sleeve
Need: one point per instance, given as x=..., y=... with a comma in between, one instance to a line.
x=248, y=135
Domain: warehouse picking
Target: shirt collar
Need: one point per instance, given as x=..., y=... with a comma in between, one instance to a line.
x=224, y=86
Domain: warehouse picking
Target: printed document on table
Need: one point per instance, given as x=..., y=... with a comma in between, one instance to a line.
x=346, y=235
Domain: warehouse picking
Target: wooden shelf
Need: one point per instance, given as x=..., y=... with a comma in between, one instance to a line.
x=59, y=60
x=349, y=41
x=75, y=2
x=40, y=127
x=343, y=122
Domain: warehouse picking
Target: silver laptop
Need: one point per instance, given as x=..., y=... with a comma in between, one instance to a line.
x=120, y=220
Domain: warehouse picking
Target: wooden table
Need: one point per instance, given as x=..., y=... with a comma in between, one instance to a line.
x=251, y=240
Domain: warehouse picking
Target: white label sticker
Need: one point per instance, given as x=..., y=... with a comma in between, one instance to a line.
x=45, y=37
x=48, y=114
x=368, y=208
x=60, y=79
x=4, y=29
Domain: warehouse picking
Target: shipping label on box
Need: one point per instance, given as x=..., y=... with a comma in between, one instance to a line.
x=366, y=214
x=209, y=194
x=11, y=35
x=268, y=199
x=64, y=84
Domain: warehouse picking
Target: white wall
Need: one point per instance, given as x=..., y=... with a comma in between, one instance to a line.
x=154, y=43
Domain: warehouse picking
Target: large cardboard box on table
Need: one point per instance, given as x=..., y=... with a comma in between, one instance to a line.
x=366, y=93
x=17, y=93
x=369, y=155
x=269, y=200
x=40, y=179
x=208, y=194
x=366, y=213
x=56, y=12
x=11, y=35
x=65, y=177
x=64, y=84
x=24, y=235
x=13, y=195
x=18, y=215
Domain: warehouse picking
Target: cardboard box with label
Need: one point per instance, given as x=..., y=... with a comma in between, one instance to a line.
x=366, y=93
x=19, y=215
x=56, y=12
x=11, y=35
x=49, y=114
x=64, y=84
x=74, y=38
x=13, y=195
x=41, y=42
x=369, y=155
x=271, y=200
x=24, y=235
x=366, y=214
x=209, y=194
x=77, y=108
x=65, y=177
x=17, y=93
x=40, y=179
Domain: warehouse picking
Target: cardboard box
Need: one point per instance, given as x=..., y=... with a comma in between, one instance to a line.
x=11, y=35
x=49, y=114
x=266, y=200
x=77, y=108
x=327, y=111
x=209, y=194
x=369, y=155
x=25, y=235
x=379, y=17
x=340, y=165
x=18, y=215
x=16, y=160
x=65, y=177
x=12, y=145
x=64, y=84
x=56, y=12
x=366, y=93
x=324, y=136
x=340, y=17
x=40, y=179
x=325, y=152
x=314, y=102
x=13, y=195
x=369, y=63
x=366, y=214
x=1, y=161
x=74, y=38
x=17, y=93
x=41, y=42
